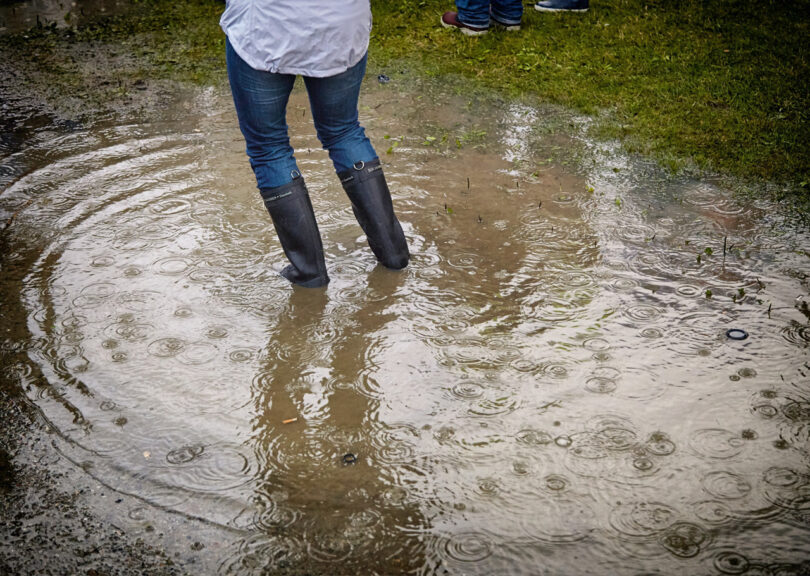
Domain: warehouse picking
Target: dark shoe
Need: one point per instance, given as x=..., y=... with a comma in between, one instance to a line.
x=562, y=6
x=294, y=220
x=371, y=203
x=450, y=20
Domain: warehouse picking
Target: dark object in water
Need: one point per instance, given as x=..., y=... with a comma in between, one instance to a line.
x=383, y=79
x=736, y=334
x=349, y=459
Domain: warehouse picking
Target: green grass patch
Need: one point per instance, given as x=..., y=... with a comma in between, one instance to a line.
x=720, y=85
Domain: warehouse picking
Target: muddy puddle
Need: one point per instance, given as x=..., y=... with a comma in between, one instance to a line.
x=19, y=15
x=548, y=388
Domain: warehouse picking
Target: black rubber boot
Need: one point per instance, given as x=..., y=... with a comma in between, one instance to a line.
x=371, y=202
x=294, y=220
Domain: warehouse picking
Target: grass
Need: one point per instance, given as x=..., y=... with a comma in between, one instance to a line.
x=721, y=85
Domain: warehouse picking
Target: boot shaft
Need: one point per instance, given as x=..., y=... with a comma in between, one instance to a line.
x=294, y=220
x=368, y=192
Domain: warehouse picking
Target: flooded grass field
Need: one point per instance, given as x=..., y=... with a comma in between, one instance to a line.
x=551, y=386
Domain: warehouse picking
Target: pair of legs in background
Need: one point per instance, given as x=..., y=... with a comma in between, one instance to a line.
x=474, y=17
x=261, y=100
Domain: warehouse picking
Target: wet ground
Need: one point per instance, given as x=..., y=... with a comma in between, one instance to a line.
x=19, y=15
x=550, y=387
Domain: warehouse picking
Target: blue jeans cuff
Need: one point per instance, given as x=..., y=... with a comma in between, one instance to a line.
x=508, y=20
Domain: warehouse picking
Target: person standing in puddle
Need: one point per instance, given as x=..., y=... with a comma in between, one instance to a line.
x=270, y=43
x=474, y=17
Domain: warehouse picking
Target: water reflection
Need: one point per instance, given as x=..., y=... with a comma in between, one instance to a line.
x=330, y=497
x=548, y=384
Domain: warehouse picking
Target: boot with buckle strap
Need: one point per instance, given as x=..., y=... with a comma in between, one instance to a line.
x=371, y=203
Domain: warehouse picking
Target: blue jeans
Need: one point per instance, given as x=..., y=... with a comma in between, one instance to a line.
x=477, y=12
x=261, y=99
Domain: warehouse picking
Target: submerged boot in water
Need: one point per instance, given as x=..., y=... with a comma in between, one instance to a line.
x=294, y=220
x=371, y=202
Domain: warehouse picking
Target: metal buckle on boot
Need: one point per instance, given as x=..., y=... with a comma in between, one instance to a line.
x=366, y=170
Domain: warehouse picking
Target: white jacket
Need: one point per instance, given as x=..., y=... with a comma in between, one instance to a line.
x=317, y=38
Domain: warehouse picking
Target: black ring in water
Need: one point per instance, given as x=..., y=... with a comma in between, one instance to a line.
x=737, y=334
x=349, y=459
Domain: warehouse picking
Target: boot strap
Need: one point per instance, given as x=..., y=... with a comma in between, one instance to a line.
x=270, y=195
x=365, y=171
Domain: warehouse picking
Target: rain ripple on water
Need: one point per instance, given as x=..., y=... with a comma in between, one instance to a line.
x=549, y=370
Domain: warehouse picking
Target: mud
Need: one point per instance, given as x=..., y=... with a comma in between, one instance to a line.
x=548, y=384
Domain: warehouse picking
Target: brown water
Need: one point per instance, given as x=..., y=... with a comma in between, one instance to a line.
x=19, y=15
x=546, y=389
